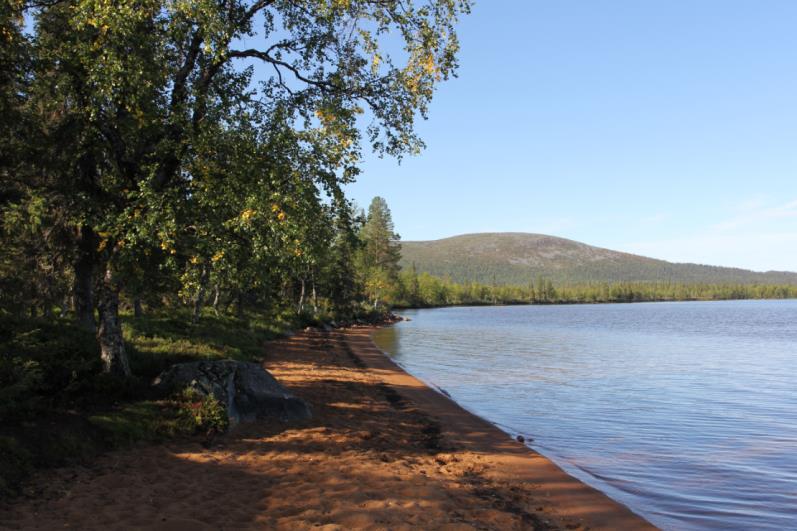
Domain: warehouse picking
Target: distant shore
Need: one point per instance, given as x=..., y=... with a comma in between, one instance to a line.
x=382, y=450
x=571, y=303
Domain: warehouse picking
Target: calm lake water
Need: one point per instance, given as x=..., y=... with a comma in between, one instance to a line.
x=686, y=412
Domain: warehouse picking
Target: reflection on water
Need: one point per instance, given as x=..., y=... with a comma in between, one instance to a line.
x=685, y=412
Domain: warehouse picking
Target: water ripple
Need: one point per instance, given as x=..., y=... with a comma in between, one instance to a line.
x=685, y=412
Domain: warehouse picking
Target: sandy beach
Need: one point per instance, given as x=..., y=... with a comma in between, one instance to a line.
x=382, y=451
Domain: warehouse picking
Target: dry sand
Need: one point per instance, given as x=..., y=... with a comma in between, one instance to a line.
x=382, y=451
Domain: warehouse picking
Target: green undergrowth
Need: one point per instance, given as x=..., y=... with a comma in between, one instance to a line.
x=58, y=408
x=156, y=342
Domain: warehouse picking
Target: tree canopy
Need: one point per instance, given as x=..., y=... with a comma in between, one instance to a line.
x=195, y=152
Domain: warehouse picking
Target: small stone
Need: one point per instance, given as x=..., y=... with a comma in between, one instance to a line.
x=520, y=439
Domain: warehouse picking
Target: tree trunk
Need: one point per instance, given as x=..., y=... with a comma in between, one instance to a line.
x=109, y=333
x=300, y=306
x=239, y=305
x=138, y=310
x=315, y=298
x=200, y=295
x=216, y=300
x=85, y=267
x=68, y=302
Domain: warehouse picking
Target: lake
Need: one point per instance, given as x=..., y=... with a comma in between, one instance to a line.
x=686, y=412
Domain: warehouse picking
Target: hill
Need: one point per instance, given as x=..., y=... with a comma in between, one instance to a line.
x=516, y=258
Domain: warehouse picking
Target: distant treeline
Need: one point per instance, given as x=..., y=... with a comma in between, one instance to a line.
x=512, y=259
x=424, y=290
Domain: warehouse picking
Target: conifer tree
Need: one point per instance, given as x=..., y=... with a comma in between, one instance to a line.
x=381, y=251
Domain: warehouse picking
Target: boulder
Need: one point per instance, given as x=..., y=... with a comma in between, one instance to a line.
x=247, y=390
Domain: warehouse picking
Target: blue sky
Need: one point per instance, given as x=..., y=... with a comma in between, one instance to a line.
x=664, y=127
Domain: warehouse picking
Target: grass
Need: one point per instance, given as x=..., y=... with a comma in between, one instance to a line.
x=57, y=408
x=156, y=342
x=146, y=420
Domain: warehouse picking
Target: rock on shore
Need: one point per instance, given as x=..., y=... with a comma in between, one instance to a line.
x=247, y=390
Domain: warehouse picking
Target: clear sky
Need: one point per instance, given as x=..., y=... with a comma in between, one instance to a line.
x=661, y=127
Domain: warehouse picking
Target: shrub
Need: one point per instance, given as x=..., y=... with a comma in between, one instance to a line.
x=201, y=414
x=42, y=363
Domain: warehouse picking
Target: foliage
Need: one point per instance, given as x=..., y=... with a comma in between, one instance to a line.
x=201, y=414
x=20, y=382
x=145, y=164
x=43, y=363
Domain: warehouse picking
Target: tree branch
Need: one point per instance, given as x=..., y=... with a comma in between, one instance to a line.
x=266, y=57
x=178, y=89
x=257, y=6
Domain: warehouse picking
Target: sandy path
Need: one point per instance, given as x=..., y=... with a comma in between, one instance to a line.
x=382, y=451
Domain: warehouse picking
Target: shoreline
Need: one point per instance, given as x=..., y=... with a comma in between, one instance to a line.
x=579, y=303
x=568, y=496
x=382, y=451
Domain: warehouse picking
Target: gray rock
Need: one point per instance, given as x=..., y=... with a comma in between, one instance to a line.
x=247, y=390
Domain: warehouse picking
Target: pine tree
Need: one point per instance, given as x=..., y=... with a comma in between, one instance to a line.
x=381, y=251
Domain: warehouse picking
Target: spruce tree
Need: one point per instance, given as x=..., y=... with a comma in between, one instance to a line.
x=381, y=251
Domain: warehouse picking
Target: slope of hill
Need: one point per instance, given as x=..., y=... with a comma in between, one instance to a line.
x=517, y=258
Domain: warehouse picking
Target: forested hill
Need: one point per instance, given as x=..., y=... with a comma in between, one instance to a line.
x=517, y=258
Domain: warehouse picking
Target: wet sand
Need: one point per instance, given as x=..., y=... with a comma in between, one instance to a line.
x=382, y=451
